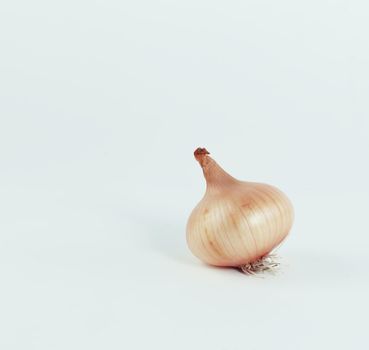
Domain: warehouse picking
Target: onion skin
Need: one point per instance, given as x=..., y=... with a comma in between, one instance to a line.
x=236, y=222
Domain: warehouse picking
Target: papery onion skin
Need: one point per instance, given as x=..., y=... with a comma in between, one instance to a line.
x=236, y=222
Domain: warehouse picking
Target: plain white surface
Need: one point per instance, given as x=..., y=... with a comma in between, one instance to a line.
x=102, y=105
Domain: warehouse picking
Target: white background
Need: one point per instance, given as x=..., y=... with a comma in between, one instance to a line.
x=102, y=104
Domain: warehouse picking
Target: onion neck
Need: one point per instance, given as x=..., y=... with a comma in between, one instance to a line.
x=215, y=176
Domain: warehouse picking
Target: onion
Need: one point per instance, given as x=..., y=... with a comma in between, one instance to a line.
x=237, y=223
